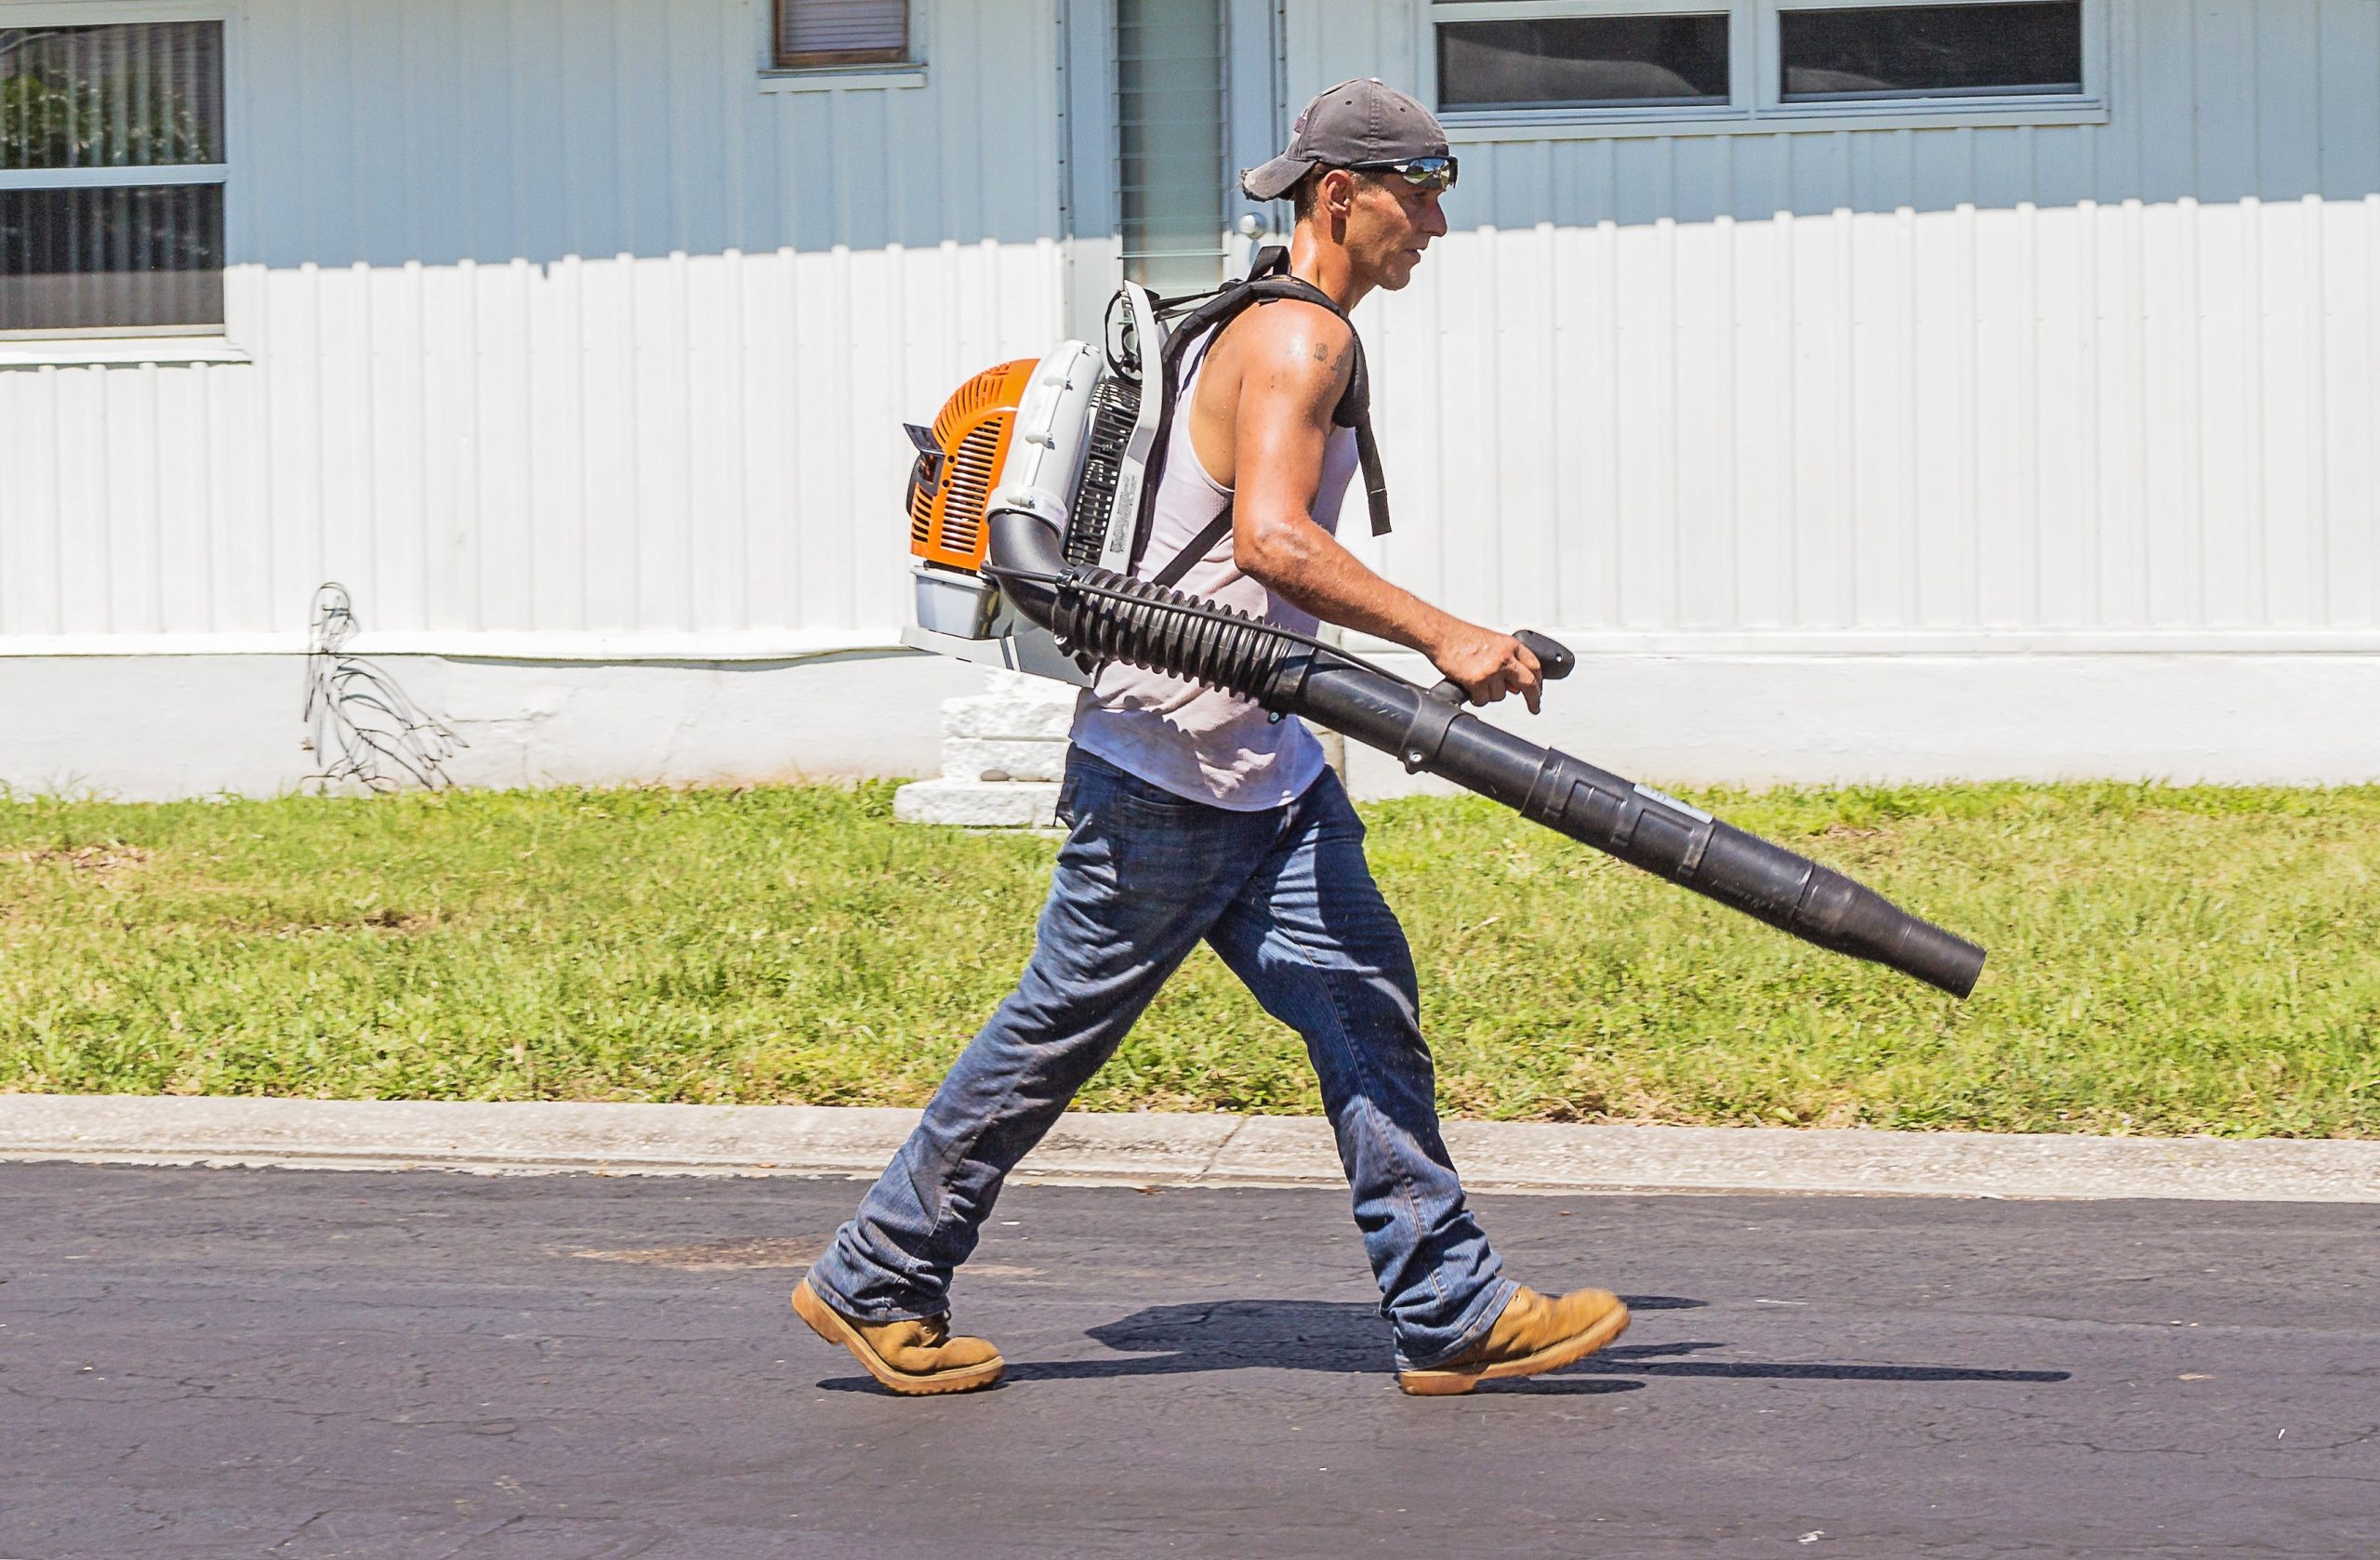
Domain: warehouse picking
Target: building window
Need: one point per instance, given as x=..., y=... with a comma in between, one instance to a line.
x=1790, y=62
x=811, y=33
x=1865, y=53
x=112, y=170
x=1586, y=61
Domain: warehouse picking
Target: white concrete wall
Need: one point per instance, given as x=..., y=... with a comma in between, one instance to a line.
x=169, y=726
x=160, y=727
x=2297, y=718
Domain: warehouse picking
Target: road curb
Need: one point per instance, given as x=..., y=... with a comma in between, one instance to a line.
x=1166, y=1149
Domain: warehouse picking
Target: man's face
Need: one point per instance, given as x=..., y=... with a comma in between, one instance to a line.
x=1390, y=222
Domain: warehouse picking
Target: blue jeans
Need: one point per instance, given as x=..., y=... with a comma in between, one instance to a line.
x=1285, y=897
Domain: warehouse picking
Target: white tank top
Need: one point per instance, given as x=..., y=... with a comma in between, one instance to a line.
x=1208, y=747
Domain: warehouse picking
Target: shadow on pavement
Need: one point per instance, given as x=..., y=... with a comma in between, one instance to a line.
x=1340, y=1338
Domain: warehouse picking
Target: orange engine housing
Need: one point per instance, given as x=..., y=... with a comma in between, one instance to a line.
x=952, y=483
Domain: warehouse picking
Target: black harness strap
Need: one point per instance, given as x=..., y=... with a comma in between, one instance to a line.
x=1200, y=544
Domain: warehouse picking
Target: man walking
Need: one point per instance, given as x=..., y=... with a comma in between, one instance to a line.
x=1193, y=815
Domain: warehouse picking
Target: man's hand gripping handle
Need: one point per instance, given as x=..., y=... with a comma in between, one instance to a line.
x=1432, y=715
x=1553, y=661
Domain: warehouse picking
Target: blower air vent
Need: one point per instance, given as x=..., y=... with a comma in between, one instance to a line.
x=920, y=519
x=1114, y=407
x=968, y=489
x=972, y=432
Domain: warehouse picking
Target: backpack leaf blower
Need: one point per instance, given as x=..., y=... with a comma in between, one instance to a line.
x=1029, y=503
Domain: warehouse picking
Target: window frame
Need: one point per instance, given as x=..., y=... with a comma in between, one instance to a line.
x=195, y=343
x=1755, y=84
x=841, y=67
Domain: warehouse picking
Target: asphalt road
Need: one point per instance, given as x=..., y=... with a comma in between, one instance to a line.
x=197, y=1363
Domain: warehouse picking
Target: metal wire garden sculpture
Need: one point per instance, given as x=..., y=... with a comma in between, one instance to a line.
x=361, y=724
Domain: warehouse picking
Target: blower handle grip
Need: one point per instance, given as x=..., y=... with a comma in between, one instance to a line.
x=1553, y=661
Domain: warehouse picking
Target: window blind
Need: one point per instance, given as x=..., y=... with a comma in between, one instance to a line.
x=842, y=32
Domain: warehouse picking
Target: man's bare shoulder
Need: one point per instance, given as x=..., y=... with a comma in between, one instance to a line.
x=1292, y=348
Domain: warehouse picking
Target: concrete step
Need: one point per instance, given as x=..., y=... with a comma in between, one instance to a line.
x=972, y=757
x=978, y=804
x=1015, y=707
x=999, y=720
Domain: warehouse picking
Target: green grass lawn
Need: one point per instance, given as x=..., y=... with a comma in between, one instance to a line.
x=2162, y=960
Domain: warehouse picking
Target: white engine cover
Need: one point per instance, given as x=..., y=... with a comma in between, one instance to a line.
x=1045, y=446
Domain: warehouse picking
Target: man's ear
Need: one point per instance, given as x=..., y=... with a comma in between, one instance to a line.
x=1335, y=194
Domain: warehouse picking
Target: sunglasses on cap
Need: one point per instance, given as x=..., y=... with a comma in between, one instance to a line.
x=1422, y=173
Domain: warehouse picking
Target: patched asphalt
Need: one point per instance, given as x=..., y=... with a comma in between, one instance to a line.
x=227, y=1363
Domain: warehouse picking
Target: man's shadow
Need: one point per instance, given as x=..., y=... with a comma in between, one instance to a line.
x=1340, y=1338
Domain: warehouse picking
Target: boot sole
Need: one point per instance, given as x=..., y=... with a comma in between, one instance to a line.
x=1453, y=1383
x=828, y=1324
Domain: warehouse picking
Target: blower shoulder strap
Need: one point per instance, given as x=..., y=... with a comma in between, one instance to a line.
x=1267, y=280
x=1199, y=545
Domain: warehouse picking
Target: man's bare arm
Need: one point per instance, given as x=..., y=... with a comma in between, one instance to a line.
x=1297, y=364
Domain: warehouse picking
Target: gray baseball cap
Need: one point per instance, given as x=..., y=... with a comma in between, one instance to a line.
x=1359, y=121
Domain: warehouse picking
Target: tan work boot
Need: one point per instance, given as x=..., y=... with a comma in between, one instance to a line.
x=1534, y=1334
x=914, y=1357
